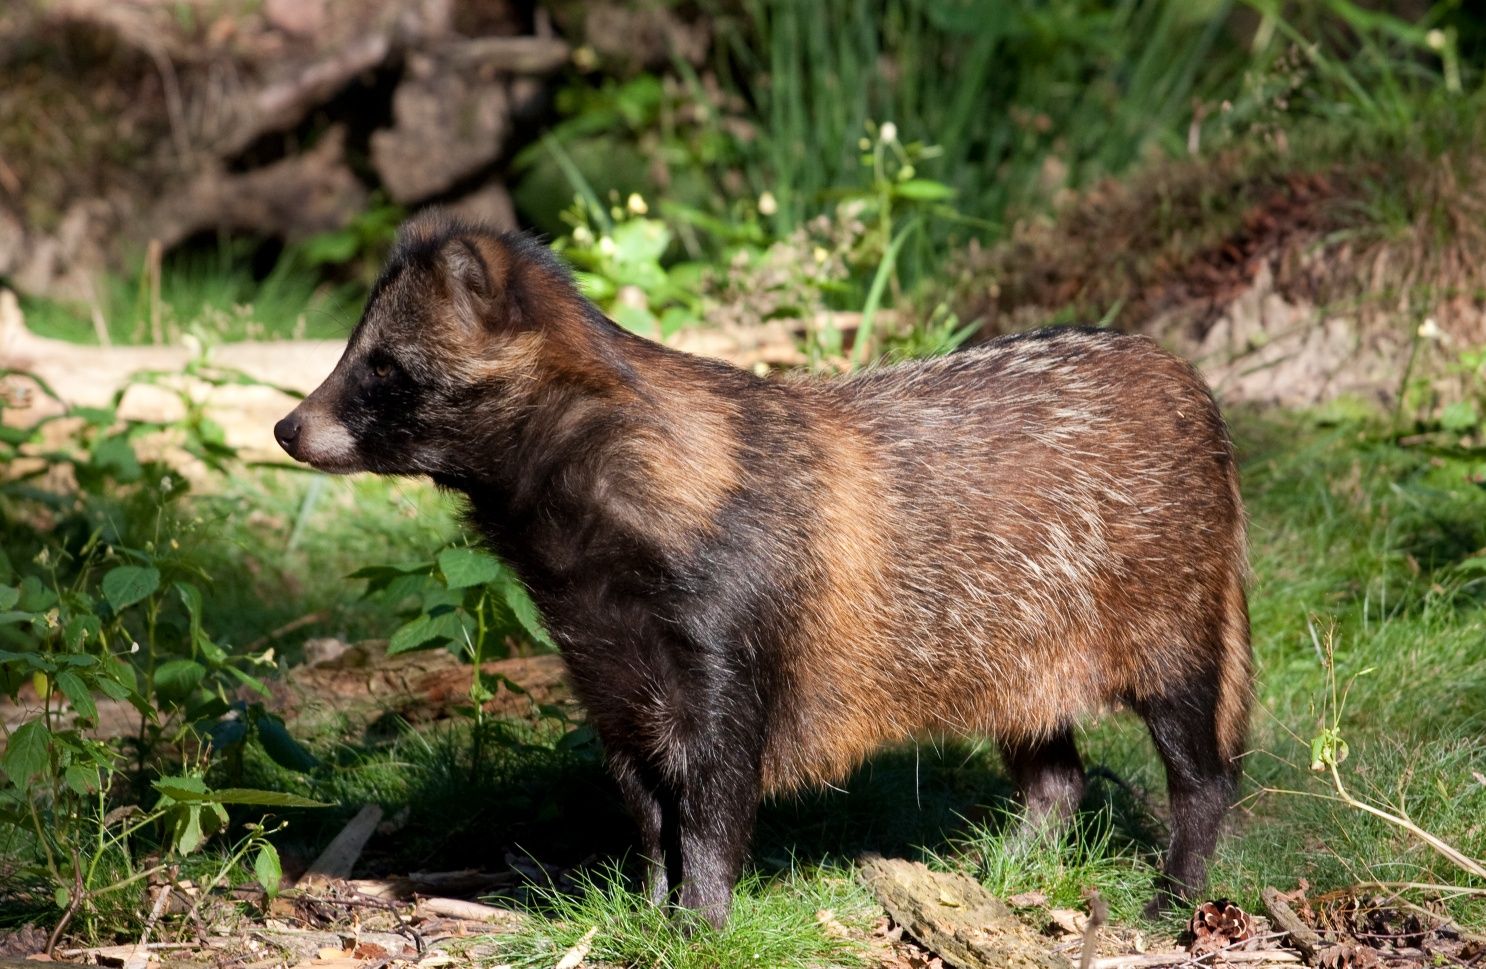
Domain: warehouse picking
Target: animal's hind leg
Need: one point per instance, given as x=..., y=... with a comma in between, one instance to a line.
x=1201, y=783
x=1049, y=777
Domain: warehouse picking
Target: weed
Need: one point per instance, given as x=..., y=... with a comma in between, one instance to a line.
x=109, y=608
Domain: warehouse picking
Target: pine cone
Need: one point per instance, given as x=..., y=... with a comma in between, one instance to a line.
x=1218, y=924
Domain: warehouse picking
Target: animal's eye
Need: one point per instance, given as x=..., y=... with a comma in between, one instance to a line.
x=382, y=369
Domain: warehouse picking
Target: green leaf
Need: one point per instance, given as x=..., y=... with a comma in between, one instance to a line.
x=26, y=753
x=1460, y=417
x=464, y=567
x=267, y=869
x=177, y=679
x=283, y=748
x=36, y=597
x=61, y=896
x=188, y=832
x=76, y=692
x=110, y=686
x=82, y=779
x=190, y=786
x=923, y=190
x=32, y=661
x=9, y=596
x=526, y=614
x=82, y=627
x=425, y=632
x=115, y=454
x=187, y=793
x=125, y=585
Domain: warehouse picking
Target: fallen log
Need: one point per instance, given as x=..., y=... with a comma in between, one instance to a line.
x=367, y=686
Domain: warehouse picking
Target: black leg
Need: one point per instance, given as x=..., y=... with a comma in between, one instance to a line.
x=647, y=801
x=1049, y=778
x=718, y=806
x=1199, y=781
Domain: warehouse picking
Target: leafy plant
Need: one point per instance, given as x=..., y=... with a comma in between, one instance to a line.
x=107, y=610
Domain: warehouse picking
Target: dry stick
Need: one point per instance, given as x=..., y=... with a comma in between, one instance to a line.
x=73, y=904
x=1098, y=914
x=1444, y=848
x=1187, y=959
x=159, y=907
x=286, y=629
x=153, y=947
x=339, y=857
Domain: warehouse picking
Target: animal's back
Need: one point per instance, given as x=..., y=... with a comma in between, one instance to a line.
x=1015, y=535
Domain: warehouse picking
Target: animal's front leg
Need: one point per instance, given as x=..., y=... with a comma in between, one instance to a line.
x=718, y=804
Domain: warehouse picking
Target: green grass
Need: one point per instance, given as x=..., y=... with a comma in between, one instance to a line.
x=214, y=295
x=775, y=922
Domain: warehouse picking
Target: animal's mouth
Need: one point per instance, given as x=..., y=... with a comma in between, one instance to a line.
x=322, y=442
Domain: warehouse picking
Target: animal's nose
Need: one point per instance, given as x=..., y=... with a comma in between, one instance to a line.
x=286, y=432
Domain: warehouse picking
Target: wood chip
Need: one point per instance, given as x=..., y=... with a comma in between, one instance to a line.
x=954, y=916
x=339, y=857
x=574, y=957
x=1302, y=936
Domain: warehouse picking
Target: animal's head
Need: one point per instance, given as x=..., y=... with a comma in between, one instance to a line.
x=460, y=332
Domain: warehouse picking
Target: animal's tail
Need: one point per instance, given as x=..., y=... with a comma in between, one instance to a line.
x=1235, y=655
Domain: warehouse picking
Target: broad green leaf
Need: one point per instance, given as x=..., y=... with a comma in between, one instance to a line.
x=110, y=686
x=25, y=755
x=526, y=614
x=82, y=779
x=9, y=596
x=188, y=794
x=182, y=787
x=464, y=567
x=177, y=679
x=125, y=585
x=267, y=870
x=76, y=692
x=426, y=631
x=281, y=746
x=188, y=833
x=31, y=661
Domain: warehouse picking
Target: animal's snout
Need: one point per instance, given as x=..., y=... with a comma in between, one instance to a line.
x=286, y=432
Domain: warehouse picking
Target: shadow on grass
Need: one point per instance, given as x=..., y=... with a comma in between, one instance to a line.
x=542, y=804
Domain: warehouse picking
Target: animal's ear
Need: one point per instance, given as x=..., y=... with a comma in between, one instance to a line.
x=468, y=281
